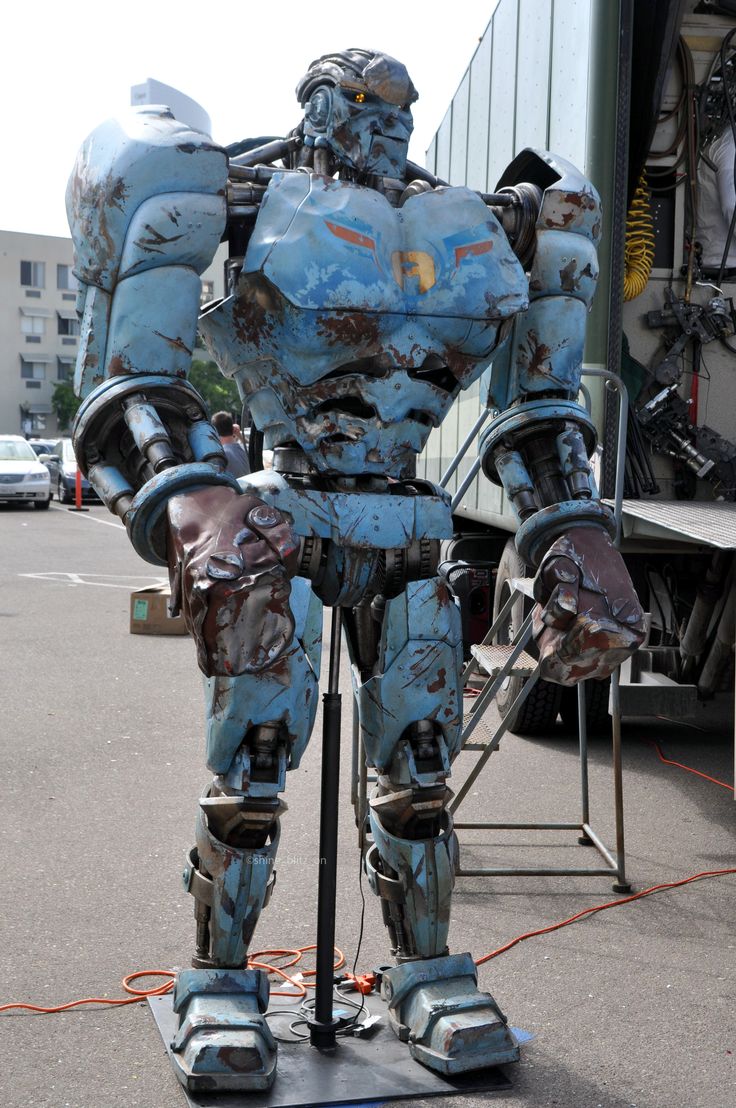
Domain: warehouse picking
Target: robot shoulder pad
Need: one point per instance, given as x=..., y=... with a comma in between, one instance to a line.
x=569, y=200
x=124, y=164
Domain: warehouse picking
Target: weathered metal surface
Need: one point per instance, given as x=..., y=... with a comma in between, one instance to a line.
x=589, y=619
x=547, y=344
x=424, y=872
x=450, y=1026
x=361, y=310
x=124, y=164
x=147, y=435
x=231, y=558
x=355, y=324
x=421, y=660
x=359, y=519
x=240, y=878
x=358, y=106
x=286, y=691
x=144, y=192
x=223, y=1040
x=371, y=1070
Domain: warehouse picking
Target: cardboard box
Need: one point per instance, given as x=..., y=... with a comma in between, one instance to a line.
x=149, y=613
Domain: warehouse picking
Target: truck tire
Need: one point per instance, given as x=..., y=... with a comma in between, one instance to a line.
x=596, y=703
x=538, y=714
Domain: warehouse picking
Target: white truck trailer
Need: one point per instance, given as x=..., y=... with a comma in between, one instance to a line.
x=630, y=91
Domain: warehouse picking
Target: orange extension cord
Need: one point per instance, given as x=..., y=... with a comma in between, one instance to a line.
x=689, y=769
x=295, y=954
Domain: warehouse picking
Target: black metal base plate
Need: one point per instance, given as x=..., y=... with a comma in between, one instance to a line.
x=358, y=1071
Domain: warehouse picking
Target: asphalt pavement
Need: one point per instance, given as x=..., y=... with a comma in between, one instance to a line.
x=101, y=765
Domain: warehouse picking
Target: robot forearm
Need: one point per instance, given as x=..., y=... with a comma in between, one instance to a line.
x=538, y=447
x=588, y=618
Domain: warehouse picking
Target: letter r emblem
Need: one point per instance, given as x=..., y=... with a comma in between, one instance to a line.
x=413, y=263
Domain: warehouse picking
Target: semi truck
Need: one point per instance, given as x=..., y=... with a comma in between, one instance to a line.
x=635, y=93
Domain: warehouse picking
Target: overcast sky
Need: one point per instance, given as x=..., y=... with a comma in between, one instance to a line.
x=66, y=67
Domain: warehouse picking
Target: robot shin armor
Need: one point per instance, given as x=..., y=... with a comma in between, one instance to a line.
x=234, y=884
x=417, y=889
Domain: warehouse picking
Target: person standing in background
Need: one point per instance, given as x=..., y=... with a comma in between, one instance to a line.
x=237, y=459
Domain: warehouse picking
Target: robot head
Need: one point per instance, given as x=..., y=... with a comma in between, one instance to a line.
x=358, y=104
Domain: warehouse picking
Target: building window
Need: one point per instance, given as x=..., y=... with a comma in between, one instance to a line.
x=64, y=369
x=32, y=324
x=65, y=278
x=33, y=274
x=33, y=384
x=34, y=371
x=208, y=292
x=68, y=324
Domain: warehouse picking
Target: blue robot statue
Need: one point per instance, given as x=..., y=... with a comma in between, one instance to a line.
x=363, y=295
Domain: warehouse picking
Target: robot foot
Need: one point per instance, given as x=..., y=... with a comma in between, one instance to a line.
x=223, y=1043
x=450, y=1026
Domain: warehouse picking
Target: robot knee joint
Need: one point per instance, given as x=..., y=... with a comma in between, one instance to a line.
x=243, y=807
x=411, y=798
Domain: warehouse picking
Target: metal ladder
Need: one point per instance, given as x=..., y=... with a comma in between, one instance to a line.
x=499, y=663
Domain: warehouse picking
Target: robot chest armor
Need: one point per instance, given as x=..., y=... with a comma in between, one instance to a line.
x=334, y=274
x=355, y=324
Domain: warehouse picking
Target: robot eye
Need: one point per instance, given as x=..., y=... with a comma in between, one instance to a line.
x=359, y=98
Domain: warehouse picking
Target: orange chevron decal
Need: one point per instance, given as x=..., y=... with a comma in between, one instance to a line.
x=348, y=235
x=472, y=248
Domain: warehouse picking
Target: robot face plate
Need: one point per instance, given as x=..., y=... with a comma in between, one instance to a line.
x=359, y=105
x=368, y=133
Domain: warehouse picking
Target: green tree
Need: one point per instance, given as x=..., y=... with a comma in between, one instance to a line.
x=64, y=403
x=219, y=393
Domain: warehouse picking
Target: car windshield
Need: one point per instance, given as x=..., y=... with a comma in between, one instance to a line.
x=16, y=450
x=68, y=452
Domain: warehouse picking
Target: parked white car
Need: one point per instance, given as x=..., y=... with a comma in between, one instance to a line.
x=22, y=476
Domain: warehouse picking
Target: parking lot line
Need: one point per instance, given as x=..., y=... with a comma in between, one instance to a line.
x=107, y=522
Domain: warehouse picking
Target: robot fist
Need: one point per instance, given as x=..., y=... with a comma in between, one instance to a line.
x=588, y=618
x=230, y=560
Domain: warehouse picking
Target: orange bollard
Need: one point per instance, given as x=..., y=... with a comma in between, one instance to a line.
x=78, y=495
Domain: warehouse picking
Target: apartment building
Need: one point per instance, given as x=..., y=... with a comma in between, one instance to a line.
x=39, y=330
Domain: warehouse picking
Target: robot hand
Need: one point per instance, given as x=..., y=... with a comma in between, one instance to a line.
x=588, y=618
x=230, y=560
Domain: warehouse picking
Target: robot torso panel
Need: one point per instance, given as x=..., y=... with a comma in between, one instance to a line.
x=355, y=324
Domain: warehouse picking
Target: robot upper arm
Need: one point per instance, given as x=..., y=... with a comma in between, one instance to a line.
x=147, y=207
x=561, y=257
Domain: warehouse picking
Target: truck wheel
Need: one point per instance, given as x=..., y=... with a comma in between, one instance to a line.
x=538, y=714
x=596, y=703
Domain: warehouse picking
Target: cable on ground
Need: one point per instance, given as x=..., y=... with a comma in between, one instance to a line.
x=299, y=986
x=295, y=954
x=689, y=769
x=601, y=908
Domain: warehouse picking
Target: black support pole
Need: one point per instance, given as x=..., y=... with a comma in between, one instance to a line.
x=322, y=1028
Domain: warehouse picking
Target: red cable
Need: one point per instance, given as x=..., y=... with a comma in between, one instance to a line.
x=295, y=953
x=139, y=995
x=601, y=908
x=689, y=769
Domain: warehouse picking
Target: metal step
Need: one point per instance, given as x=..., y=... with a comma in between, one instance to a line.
x=493, y=659
x=707, y=522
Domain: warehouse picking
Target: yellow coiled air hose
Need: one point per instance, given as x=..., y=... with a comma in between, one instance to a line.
x=639, y=246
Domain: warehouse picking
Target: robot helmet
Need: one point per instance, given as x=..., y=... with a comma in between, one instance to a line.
x=358, y=103
x=362, y=70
